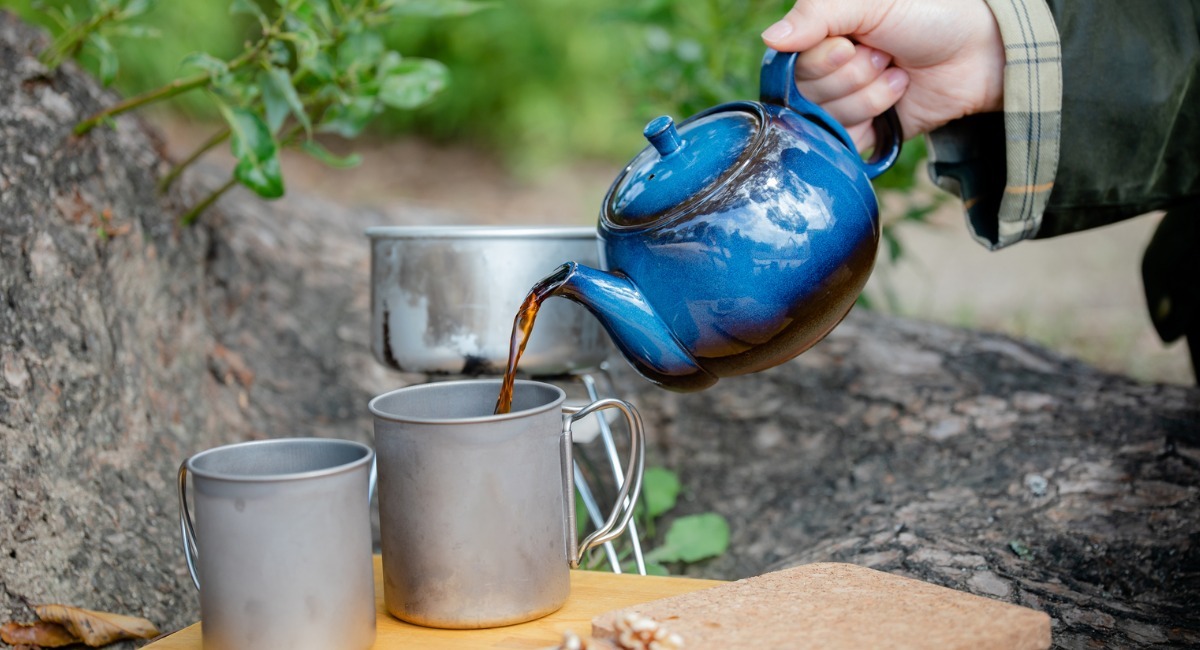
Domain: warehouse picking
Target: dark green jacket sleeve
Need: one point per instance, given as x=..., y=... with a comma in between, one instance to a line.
x=1130, y=111
x=1121, y=139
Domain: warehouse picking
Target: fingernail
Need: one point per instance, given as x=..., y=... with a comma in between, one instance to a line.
x=841, y=54
x=777, y=31
x=897, y=79
x=879, y=60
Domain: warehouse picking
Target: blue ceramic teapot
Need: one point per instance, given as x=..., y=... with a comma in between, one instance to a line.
x=737, y=239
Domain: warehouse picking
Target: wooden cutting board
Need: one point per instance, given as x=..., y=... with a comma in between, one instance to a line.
x=834, y=606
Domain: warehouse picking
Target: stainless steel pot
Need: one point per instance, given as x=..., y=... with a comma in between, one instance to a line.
x=443, y=299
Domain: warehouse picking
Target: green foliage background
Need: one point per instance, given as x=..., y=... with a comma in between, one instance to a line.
x=540, y=81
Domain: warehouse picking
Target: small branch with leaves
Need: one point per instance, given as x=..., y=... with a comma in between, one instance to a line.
x=315, y=66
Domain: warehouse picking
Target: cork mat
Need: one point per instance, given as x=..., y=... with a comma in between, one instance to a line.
x=832, y=606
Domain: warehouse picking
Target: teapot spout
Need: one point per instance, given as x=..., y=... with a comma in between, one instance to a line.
x=634, y=327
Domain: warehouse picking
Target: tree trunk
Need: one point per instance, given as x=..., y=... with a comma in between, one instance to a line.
x=128, y=342
x=965, y=459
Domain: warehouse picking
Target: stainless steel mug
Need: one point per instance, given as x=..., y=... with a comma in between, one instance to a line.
x=281, y=544
x=477, y=511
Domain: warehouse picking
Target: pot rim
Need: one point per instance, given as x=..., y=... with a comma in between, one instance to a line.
x=481, y=232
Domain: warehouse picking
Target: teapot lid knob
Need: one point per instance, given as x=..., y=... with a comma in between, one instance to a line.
x=663, y=136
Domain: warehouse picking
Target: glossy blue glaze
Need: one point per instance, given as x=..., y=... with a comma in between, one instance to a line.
x=752, y=267
x=698, y=157
x=634, y=326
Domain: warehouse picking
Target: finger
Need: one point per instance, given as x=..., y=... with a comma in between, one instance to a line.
x=870, y=101
x=859, y=72
x=811, y=21
x=824, y=58
x=863, y=135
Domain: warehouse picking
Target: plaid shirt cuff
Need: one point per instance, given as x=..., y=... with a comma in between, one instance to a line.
x=964, y=159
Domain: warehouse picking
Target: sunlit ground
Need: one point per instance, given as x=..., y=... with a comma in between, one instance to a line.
x=1079, y=294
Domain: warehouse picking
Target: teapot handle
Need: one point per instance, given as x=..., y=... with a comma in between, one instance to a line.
x=777, y=85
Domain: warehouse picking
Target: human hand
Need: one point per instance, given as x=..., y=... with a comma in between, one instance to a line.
x=935, y=60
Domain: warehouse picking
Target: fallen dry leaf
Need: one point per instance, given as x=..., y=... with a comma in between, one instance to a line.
x=97, y=628
x=42, y=634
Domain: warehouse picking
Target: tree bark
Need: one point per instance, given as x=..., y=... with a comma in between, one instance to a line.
x=965, y=459
x=128, y=342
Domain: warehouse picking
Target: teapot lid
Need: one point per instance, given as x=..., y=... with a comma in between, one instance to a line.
x=681, y=164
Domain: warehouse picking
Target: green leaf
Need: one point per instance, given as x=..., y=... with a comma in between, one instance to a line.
x=656, y=569
x=319, y=65
x=64, y=17
x=251, y=8
x=275, y=105
x=411, y=83
x=314, y=149
x=315, y=13
x=206, y=62
x=921, y=213
x=693, y=538
x=433, y=8
x=106, y=58
x=1020, y=549
x=217, y=69
x=280, y=98
x=895, y=249
x=278, y=53
x=134, y=8
x=349, y=118
x=660, y=490
x=359, y=52
x=256, y=151
x=581, y=516
x=303, y=37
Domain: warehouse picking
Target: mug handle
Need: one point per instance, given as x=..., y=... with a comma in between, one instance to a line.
x=631, y=487
x=186, y=529
x=777, y=85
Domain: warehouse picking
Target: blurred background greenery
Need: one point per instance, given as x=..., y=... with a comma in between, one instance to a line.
x=538, y=81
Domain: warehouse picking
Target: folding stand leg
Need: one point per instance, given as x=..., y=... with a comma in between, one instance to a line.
x=615, y=462
x=593, y=509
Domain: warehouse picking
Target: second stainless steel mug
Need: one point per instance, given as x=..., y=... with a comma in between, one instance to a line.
x=281, y=544
x=477, y=511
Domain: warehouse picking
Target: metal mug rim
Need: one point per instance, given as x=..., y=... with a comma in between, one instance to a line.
x=552, y=405
x=366, y=459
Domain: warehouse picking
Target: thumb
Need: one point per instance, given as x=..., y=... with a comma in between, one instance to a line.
x=811, y=21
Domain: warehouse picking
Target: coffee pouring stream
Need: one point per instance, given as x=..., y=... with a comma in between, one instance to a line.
x=736, y=240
